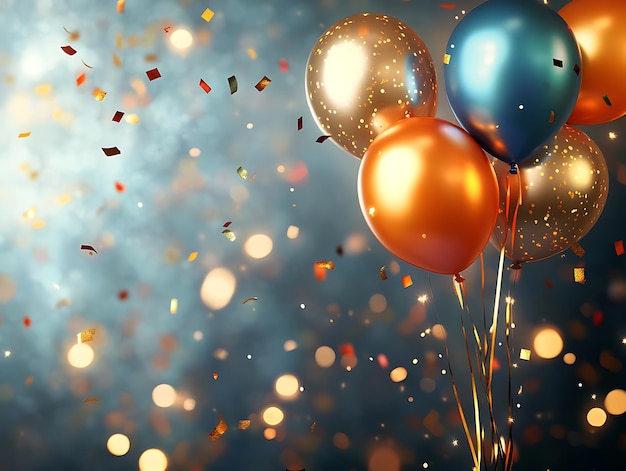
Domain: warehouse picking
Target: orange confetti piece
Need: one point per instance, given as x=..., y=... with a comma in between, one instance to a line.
x=219, y=430
x=86, y=335
x=23, y=135
x=117, y=62
x=120, y=6
x=29, y=380
x=619, y=247
x=27, y=322
x=207, y=15
x=243, y=424
x=205, y=86
x=92, y=399
x=69, y=50
x=253, y=298
x=327, y=265
x=151, y=57
x=215, y=376
x=192, y=256
x=578, y=250
x=99, y=94
x=383, y=273
x=263, y=83
x=74, y=35
x=313, y=425
x=407, y=281
x=447, y=6
x=153, y=74
x=81, y=79
x=120, y=187
x=346, y=349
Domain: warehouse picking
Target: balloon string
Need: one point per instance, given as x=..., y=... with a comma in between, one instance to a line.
x=508, y=463
x=494, y=323
x=515, y=213
x=475, y=456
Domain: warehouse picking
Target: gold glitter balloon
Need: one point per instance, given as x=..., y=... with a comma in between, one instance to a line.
x=564, y=188
x=365, y=73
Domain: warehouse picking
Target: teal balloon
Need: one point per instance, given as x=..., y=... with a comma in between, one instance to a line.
x=512, y=73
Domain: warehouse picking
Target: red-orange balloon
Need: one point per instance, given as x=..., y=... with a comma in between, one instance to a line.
x=600, y=32
x=429, y=194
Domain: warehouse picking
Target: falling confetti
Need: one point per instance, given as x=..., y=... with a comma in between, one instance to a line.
x=578, y=250
x=120, y=6
x=283, y=65
x=325, y=264
x=86, y=65
x=173, y=306
x=243, y=424
x=119, y=187
x=321, y=139
x=81, y=79
x=27, y=322
x=253, y=298
x=227, y=223
x=300, y=123
x=446, y=59
x=219, y=430
x=92, y=399
x=117, y=117
x=205, y=86
x=407, y=281
x=88, y=247
x=557, y=63
x=192, y=256
x=524, y=354
x=85, y=336
x=22, y=135
x=619, y=247
x=207, y=15
x=579, y=275
x=111, y=151
x=74, y=35
x=263, y=83
x=242, y=172
x=230, y=235
x=232, y=83
x=99, y=94
x=153, y=74
x=69, y=50
x=313, y=425
x=383, y=273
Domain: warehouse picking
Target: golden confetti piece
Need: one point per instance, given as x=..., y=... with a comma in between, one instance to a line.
x=81, y=79
x=579, y=275
x=612, y=135
x=313, y=425
x=446, y=58
x=230, y=235
x=251, y=53
x=577, y=249
x=219, y=430
x=407, y=281
x=173, y=306
x=325, y=264
x=619, y=247
x=99, y=94
x=86, y=65
x=63, y=303
x=263, y=83
x=30, y=213
x=242, y=172
x=253, y=298
x=117, y=62
x=92, y=399
x=192, y=256
x=132, y=118
x=207, y=15
x=74, y=35
x=383, y=273
x=120, y=6
x=39, y=224
x=29, y=380
x=43, y=89
x=85, y=336
x=69, y=50
x=243, y=424
x=23, y=135
x=524, y=354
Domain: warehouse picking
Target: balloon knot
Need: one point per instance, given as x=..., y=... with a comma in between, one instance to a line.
x=516, y=266
x=458, y=278
x=513, y=169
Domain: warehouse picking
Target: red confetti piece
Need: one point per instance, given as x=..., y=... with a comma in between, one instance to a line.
x=383, y=361
x=619, y=247
x=205, y=86
x=122, y=295
x=321, y=139
x=88, y=247
x=283, y=65
x=111, y=151
x=153, y=74
x=120, y=187
x=167, y=29
x=27, y=321
x=117, y=117
x=227, y=223
x=597, y=319
x=407, y=281
x=299, y=123
x=69, y=50
x=263, y=83
x=81, y=79
x=447, y=6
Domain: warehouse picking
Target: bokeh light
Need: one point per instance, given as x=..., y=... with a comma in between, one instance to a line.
x=273, y=416
x=596, y=417
x=615, y=402
x=325, y=356
x=398, y=374
x=258, y=246
x=152, y=459
x=378, y=303
x=80, y=355
x=218, y=288
x=164, y=395
x=548, y=343
x=287, y=386
x=569, y=358
x=181, y=39
x=118, y=444
x=384, y=458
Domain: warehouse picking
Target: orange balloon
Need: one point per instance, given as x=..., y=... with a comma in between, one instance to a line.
x=599, y=29
x=429, y=194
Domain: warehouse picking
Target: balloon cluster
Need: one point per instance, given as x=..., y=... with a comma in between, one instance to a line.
x=517, y=75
